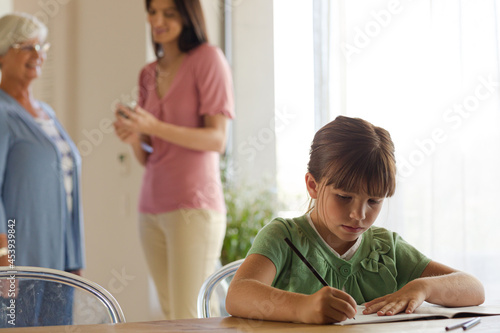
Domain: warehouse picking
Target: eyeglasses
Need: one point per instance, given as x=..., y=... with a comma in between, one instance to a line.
x=40, y=48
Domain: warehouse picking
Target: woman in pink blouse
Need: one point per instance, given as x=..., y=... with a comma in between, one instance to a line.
x=178, y=131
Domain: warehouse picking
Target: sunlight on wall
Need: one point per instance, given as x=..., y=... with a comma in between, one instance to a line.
x=294, y=91
x=5, y=7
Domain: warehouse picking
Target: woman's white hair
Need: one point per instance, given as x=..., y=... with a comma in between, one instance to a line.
x=19, y=28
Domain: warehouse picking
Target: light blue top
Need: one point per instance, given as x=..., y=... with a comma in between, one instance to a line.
x=33, y=193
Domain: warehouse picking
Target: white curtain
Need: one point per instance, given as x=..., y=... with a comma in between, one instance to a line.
x=427, y=71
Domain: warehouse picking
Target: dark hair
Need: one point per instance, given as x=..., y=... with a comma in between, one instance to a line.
x=353, y=155
x=194, y=31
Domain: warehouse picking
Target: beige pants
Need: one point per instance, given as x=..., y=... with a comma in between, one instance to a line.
x=182, y=248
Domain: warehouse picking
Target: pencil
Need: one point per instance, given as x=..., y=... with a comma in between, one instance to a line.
x=465, y=325
x=304, y=260
x=471, y=323
x=449, y=328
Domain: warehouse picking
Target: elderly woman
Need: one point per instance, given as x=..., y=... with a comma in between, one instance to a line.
x=39, y=164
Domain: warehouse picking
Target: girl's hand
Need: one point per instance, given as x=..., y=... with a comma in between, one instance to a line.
x=407, y=299
x=326, y=306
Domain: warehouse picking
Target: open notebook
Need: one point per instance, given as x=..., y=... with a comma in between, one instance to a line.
x=425, y=311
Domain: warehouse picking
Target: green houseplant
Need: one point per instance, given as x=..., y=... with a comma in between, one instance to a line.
x=249, y=208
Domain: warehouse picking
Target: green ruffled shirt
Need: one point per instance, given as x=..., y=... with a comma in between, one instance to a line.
x=383, y=263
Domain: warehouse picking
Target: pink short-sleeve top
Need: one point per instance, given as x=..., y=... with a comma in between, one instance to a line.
x=176, y=177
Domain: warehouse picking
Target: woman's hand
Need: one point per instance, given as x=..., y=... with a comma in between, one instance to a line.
x=326, y=306
x=128, y=131
x=209, y=137
x=76, y=272
x=123, y=129
x=8, y=287
x=125, y=134
x=136, y=121
x=407, y=299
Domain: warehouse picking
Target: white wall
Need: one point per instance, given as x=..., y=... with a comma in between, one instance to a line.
x=253, y=69
x=110, y=50
x=5, y=7
x=214, y=20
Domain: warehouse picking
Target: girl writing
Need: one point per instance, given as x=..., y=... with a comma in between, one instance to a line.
x=350, y=172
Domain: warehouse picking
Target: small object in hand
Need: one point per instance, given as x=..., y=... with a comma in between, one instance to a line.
x=130, y=107
x=123, y=114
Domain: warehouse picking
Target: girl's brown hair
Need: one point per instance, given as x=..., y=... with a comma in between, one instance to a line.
x=194, y=31
x=354, y=156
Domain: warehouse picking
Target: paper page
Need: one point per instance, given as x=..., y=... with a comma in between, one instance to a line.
x=360, y=318
x=450, y=312
x=426, y=310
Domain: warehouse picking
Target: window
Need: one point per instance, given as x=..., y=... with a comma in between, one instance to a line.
x=294, y=94
x=429, y=73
